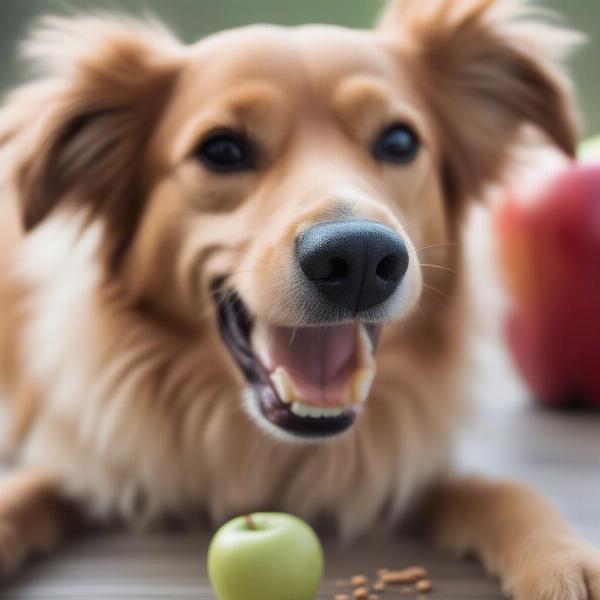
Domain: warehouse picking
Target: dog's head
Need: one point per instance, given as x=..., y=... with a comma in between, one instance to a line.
x=273, y=188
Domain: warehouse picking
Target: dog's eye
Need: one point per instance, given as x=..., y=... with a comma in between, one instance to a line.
x=398, y=144
x=225, y=153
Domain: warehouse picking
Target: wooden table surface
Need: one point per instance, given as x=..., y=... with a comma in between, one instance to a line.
x=509, y=437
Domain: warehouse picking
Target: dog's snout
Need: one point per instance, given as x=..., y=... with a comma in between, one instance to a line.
x=355, y=265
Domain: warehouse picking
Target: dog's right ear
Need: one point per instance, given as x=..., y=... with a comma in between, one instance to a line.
x=101, y=84
x=485, y=68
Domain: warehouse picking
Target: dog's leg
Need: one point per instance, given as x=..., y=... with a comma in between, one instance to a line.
x=519, y=536
x=33, y=517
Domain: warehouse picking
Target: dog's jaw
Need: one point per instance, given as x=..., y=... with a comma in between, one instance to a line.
x=252, y=404
x=302, y=383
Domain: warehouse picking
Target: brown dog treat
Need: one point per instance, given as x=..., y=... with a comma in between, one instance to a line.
x=361, y=593
x=408, y=575
x=424, y=586
x=359, y=580
x=418, y=572
x=381, y=572
x=341, y=597
x=397, y=577
x=379, y=586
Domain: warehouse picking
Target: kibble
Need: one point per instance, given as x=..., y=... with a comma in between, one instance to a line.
x=408, y=575
x=397, y=577
x=424, y=586
x=418, y=572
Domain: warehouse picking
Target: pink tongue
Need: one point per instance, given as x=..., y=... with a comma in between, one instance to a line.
x=319, y=360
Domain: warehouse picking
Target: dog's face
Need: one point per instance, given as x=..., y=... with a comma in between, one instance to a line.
x=274, y=187
x=301, y=187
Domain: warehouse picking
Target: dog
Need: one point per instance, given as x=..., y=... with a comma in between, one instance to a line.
x=231, y=275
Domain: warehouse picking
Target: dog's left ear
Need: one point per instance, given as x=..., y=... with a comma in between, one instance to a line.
x=485, y=68
x=85, y=120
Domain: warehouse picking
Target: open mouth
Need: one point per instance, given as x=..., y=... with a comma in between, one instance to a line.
x=307, y=381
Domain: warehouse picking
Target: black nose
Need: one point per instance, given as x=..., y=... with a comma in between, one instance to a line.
x=355, y=265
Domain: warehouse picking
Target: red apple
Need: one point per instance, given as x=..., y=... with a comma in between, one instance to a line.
x=550, y=253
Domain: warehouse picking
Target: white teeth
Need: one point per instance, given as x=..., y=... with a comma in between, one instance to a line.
x=332, y=412
x=283, y=385
x=363, y=378
x=285, y=390
x=299, y=409
x=361, y=384
x=315, y=412
x=365, y=347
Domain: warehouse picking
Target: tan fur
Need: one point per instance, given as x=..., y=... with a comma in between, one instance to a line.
x=519, y=535
x=120, y=386
x=488, y=66
x=33, y=517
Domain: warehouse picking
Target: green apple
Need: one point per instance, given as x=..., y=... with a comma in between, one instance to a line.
x=589, y=150
x=265, y=556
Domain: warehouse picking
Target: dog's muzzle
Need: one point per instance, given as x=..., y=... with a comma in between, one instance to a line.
x=313, y=378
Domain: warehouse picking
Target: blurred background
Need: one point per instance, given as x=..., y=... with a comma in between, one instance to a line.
x=192, y=19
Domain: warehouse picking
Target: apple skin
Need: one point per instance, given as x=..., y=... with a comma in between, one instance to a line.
x=281, y=559
x=550, y=253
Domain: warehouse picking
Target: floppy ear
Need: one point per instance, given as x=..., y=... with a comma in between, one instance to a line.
x=485, y=68
x=102, y=84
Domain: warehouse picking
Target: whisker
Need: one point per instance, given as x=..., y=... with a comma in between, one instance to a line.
x=242, y=272
x=446, y=244
x=434, y=289
x=439, y=267
x=240, y=250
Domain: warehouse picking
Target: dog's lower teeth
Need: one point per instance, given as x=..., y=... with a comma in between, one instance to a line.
x=299, y=409
x=315, y=412
x=332, y=412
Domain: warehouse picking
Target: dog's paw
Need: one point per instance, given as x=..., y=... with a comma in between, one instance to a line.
x=559, y=574
x=12, y=549
x=592, y=575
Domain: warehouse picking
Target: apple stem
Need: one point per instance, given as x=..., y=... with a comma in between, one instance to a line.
x=250, y=522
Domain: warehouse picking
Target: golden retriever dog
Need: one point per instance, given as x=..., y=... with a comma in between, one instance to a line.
x=231, y=275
